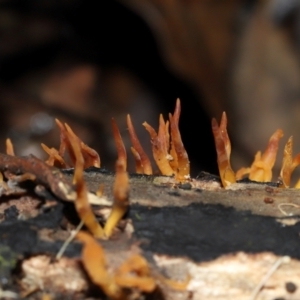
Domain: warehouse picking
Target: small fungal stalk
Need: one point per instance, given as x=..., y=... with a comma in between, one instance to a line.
x=183, y=163
x=223, y=148
x=170, y=157
x=121, y=199
x=288, y=163
x=140, y=156
x=91, y=157
x=82, y=205
x=261, y=168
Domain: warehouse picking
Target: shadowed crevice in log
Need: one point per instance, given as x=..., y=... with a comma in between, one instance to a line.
x=204, y=232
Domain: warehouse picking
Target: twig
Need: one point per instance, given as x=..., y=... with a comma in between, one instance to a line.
x=275, y=266
x=287, y=204
x=68, y=241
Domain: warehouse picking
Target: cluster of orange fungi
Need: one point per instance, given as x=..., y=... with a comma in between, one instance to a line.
x=172, y=160
x=168, y=151
x=261, y=168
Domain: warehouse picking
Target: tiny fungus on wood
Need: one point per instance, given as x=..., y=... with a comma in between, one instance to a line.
x=121, y=198
x=122, y=155
x=9, y=147
x=54, y=158
x=82, y=205
x=134, y=274
x=170, y=156
x=145, y=161
x=160, y=147
x=183, y=164
x=261, y=168
x=288, y=163
x=223, y=148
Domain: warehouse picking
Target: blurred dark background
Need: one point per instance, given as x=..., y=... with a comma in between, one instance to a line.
x=85, y=62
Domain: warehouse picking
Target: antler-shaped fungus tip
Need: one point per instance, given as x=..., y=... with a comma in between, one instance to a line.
x=223, y=148
x=122, y=155
x=9, y=147
x=160, y=147
x=90, y=156
x=261, y=168
x=82, y=205
x=146, y=164
x=288, y=163
x=121, y=199
x=183, y=164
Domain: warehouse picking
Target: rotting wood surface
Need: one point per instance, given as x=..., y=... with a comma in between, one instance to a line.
x=226, y=240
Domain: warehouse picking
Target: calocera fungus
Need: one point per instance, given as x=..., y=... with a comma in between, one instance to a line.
x=121, y=198
x=91, y=157
x=9, y=147
x=223, y=148
x=288, y=163
x=145, y=161
x=183, y=164
x=93, y=259
x=261, y=168
x=122, y=156
x=54, y=158
x=170, y=156
x=138, y=162
x=82, y=205
x=160, y=147
x=134, y=273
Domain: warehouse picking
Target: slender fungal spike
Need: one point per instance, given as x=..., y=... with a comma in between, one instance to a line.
x=223, y=129
x=122, y=156
x=121, y=199
x=82, y=205
x=288, y=163
x=183, y=164
x=177, y=112
x=160, y=147
x=146, y=164
x=64, y=142
x=138, y=162
x=9, y=147
x=91, y=157
x=226, y=173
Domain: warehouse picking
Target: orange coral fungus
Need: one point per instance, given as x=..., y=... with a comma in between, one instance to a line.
x=93, y=259
x=9, y=147
x=91, y=157
x=160, y=147
x=82, y=205
x=133, y=273
x=138, y=163
x=121, y=198
x=54, y=158
x=171, y=158
x=288, y=163
x=261, y=168
x=223, y=148
x=183, y=164
x=146, y=164
x=122, y=156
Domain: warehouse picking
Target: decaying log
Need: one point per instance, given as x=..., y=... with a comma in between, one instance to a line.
x=226, y=240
